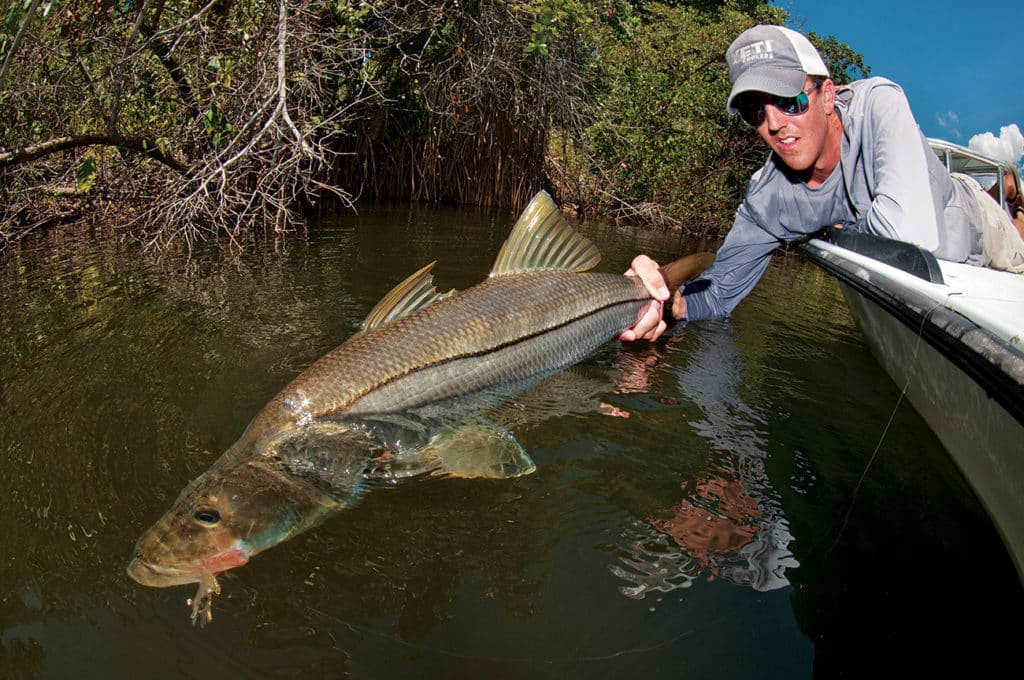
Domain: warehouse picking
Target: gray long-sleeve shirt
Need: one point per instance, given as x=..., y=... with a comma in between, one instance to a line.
x=888, y=182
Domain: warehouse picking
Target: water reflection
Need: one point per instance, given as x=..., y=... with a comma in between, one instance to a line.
x=729, y=522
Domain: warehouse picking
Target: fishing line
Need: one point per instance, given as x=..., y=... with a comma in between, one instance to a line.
x=885, y=430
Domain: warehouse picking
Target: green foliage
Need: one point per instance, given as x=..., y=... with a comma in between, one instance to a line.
x=843, y=63
x=663, y=145
x=551, y=17
x=9, y=26
x=218, y=127
x=86, y=175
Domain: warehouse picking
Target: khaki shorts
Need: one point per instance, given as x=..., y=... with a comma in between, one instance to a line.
x=1002, y=246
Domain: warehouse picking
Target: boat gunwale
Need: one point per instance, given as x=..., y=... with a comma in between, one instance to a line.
x=986, y=358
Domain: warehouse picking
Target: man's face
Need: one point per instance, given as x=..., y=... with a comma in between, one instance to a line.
x=1009, y=187
x=799, y=141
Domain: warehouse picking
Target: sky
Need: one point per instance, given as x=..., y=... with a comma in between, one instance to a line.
x=961, y=64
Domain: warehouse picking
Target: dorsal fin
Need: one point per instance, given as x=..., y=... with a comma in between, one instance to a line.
x=542, y=239
x=416, y=292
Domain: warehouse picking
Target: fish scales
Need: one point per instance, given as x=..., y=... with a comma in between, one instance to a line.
x=527, y=342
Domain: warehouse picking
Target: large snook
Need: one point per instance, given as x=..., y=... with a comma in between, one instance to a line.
x=402, y=394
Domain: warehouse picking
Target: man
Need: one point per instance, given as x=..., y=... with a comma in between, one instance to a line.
x=852, y=157
x=1014, y=200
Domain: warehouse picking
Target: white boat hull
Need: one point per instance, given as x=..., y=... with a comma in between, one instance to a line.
x=954, y=349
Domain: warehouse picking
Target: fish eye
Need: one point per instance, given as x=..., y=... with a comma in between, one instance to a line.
x=207, y=516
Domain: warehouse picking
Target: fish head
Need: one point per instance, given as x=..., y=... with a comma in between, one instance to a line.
x=254, y=497
x=218, y=522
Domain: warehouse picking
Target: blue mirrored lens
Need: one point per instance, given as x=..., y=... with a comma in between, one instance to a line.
x=751, y=105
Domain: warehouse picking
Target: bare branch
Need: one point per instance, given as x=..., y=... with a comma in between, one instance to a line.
x=33, y=152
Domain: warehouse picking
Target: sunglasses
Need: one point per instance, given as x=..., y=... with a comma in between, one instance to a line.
x=750, y=105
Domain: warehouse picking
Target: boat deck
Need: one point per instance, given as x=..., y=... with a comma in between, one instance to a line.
x=992, y=299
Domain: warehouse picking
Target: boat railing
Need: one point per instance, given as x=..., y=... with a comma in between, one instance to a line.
x=987, y=170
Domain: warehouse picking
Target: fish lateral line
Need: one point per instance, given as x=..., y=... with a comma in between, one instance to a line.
x=336, y=410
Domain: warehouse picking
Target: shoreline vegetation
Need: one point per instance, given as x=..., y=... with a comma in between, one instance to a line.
x=175, y=122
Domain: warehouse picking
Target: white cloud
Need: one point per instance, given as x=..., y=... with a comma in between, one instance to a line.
x=1008, y=146
x=949, y=121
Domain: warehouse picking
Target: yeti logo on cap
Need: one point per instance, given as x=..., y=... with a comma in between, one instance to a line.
x=761, y=49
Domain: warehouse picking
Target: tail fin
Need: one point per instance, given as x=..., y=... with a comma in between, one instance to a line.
x=685, y=269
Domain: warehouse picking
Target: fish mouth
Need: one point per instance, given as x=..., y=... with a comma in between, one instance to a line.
x=149, y=574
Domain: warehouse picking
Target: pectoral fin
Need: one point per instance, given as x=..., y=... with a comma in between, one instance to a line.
x=480, y=450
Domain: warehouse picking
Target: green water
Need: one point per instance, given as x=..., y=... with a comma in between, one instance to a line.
x=709, y=507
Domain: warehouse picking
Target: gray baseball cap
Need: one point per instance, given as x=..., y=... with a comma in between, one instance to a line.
x=771, y=59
